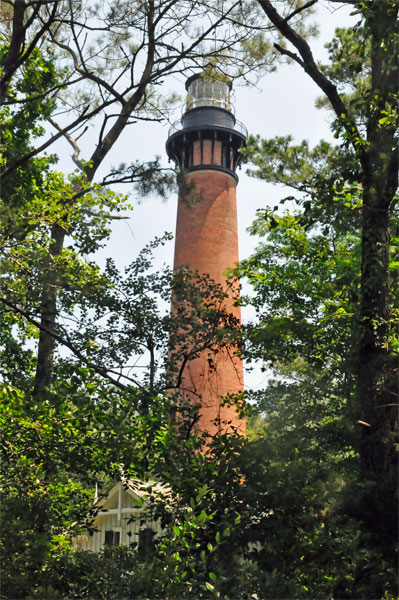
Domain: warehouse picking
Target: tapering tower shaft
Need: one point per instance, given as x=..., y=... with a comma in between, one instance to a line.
x=205, y=144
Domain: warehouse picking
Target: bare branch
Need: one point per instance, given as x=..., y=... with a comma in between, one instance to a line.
x=61, y=340
x=300, y=9
x=76, y=149
x=310, y=67
x=115, y=131
x=292, y=55
x=83, y=116
x=93, y=213
x=44, y=94
x=88, y=74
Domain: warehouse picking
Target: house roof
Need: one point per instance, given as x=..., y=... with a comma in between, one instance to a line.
x=147, y=491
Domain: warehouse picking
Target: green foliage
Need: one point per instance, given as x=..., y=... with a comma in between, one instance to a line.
x=306, y=286
x=313, y=273
x=277, y=515
x=325, y=180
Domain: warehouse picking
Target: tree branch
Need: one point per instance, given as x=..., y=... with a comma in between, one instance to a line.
x=76, y=149
x=300, y=9
x=292, y=55
x=10, y=64
x=15, y=57
x=102, y=149
x=99, y=370
x=44, y=94
x=309, y=65
x=88, y=74
x=83, y=116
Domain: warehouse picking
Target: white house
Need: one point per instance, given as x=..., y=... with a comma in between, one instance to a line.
x=124, y=516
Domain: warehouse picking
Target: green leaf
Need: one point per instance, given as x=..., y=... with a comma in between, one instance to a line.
x=176, y=530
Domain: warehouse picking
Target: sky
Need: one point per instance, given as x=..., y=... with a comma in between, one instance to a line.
x=282, y=103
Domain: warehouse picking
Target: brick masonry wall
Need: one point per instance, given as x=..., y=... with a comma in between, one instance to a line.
x=207, y=241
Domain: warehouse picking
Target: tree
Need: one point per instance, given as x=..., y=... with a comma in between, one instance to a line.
x=90, y=425
x=370, y=131
x=323, y=278
x=74, y=415
x=116, y=80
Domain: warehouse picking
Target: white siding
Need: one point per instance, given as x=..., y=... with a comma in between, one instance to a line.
x=106, y=521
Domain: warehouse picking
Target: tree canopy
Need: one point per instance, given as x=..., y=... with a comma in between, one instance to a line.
x=92, y=359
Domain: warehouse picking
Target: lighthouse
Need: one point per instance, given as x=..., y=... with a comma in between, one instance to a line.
x=205, y=144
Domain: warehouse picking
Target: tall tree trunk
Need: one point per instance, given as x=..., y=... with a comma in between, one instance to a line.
x=46, y=347
x=377, y=375
x=377, y=368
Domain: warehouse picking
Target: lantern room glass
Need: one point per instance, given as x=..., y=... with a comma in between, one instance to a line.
x=205, y=92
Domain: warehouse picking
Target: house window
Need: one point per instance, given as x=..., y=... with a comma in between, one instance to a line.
x=112, y=537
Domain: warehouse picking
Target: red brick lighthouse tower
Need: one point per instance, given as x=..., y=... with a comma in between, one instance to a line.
x=205, y=143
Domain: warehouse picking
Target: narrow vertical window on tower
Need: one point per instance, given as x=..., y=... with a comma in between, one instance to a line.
x=206, y=234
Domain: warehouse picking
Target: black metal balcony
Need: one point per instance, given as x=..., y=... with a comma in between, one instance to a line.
x=237, y=127
x=208, y=136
